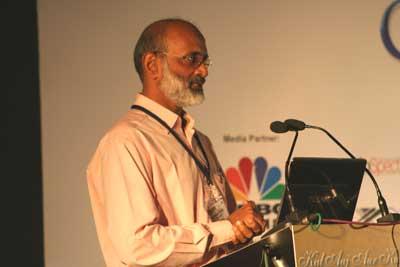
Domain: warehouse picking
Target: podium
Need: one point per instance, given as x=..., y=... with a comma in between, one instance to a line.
x=331, y=245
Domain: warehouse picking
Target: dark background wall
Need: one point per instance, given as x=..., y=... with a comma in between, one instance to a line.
x=22, y=180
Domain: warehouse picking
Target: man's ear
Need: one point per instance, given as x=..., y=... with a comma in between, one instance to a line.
x=152, y=66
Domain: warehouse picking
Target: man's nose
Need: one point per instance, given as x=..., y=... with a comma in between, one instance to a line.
x=202, y=70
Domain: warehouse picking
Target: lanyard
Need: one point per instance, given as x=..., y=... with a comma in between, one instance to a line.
x=204, y=169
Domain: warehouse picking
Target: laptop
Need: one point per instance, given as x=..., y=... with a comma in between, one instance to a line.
x=329, y=186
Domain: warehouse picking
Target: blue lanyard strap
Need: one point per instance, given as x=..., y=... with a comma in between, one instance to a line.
x=204, y=169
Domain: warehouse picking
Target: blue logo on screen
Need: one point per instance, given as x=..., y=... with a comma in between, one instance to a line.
x=385, y=34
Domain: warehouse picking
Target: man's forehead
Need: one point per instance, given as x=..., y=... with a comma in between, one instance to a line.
x=184, y=38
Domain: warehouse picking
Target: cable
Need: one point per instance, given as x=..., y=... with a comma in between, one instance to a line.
x=264, y=257
x=315, y=226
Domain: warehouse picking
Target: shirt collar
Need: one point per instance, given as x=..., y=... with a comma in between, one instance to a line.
x=189, y=126
x=165, y=114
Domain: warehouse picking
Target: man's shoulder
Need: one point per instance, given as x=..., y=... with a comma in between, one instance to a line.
x=134, y=125
x=130, y=124
x=125, y=136
x=127, y=131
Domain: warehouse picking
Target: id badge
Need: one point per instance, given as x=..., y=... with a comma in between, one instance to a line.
x=216, y=207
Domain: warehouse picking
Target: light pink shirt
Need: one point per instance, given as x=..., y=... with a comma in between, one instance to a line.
x=148, y=196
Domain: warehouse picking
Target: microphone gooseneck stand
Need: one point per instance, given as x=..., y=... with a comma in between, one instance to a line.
x=295, y=216
x=296, y=125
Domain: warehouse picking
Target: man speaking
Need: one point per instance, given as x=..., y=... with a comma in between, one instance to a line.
x=158, y=194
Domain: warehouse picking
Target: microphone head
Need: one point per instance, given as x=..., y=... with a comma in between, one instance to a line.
x=295, y=125
x=278, y=127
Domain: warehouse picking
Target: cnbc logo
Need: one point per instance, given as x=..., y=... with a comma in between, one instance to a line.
x=255, y=180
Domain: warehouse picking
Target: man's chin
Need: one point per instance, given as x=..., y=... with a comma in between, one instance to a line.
x=198, y=94
x=195, y=99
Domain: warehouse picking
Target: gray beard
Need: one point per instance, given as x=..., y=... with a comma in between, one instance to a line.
x=174, y=89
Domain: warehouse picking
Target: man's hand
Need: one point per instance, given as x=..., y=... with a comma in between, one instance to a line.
x=246, y=223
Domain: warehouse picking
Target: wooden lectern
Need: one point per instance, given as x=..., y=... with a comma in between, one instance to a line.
x=332, y=245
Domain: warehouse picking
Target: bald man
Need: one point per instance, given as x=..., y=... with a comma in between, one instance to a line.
x=159, y=195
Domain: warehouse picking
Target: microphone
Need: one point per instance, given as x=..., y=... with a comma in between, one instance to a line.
x=288, y=125
x=279, y=127
x=297, y=125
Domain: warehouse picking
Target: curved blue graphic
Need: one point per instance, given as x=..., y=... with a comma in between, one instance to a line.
x=261, y=169
x=273, y=176
x=385, y=35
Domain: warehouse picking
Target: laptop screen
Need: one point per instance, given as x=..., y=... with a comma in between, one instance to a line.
x=329, y=186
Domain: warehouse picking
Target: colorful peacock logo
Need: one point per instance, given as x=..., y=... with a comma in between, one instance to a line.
x=267, y=179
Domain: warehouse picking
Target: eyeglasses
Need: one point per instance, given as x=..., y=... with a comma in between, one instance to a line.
x=193, y=60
